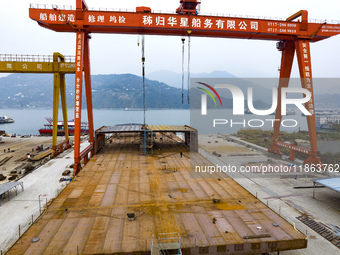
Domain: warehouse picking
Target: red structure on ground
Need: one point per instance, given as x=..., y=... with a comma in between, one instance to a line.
x=293, y=36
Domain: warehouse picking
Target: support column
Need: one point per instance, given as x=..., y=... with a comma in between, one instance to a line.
x=194, y=141
x=64, y=108
x=56, y=87
x=291, y=154
x=78, y=98
x=59, y=85
x=305, y=68
x=88, y=90
x=288, y=50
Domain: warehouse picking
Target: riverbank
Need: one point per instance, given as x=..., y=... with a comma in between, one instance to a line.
x=328, y=142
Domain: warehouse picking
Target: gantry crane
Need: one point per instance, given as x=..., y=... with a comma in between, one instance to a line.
x=294, y=36
x=56, y=64
x=188, y=7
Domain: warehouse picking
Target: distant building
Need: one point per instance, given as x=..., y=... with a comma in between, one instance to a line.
x=326, y=121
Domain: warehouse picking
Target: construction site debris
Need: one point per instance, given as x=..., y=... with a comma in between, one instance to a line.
x=215, y=200
x=66, y=172
x=17, y=153
x=3, y=161
x=29, y=167
x=322, y=229
x=65, y=179
x=2, y=177
x=13, y=177
x=216, y=154
x=131, y=216
x=35, y=240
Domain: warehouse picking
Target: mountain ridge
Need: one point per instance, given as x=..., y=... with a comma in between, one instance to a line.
x=120, y=91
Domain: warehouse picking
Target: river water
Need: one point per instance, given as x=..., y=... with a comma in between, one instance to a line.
x=29, y=121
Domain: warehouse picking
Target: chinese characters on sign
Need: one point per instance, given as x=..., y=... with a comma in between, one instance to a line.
x=102, y=19
x=206, y=23
x=162, y=21
x=78, y=85
x=56, y=17
x=176, y=21
x=307, y=73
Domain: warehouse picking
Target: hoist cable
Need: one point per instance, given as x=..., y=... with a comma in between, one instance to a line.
x=189, y=42
x=143, y=73
x=183, y=46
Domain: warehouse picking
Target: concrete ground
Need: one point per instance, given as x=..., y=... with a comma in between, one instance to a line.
x=20, y=209
x=270, y=187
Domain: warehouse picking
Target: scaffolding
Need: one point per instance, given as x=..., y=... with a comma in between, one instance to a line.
x=168, y=243
x=148, y=142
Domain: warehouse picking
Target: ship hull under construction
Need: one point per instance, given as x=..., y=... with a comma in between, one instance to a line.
x=122, y=201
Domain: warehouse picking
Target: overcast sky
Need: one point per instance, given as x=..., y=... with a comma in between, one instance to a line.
x=120, y=54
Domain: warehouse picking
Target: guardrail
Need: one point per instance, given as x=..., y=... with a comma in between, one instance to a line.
x=32, y=58
x=52, y=6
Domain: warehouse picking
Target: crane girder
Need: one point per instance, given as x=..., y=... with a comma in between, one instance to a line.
x=178, y=24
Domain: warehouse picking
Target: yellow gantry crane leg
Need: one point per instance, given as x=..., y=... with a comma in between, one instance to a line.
x=59, y=85
x=10, y=63
x=63, y=104
x=56, y=89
